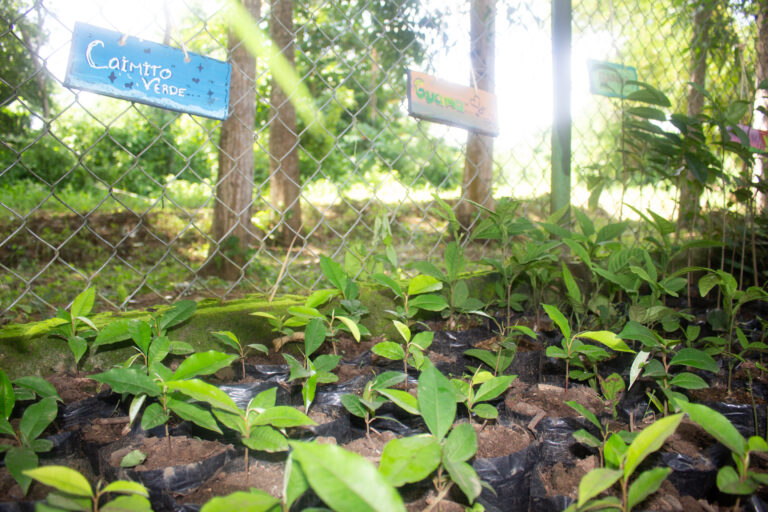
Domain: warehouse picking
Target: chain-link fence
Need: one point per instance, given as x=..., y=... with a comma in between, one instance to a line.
x=122, y=196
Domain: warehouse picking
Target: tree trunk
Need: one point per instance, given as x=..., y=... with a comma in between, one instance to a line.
x=760, y=120
x=477, y=181
x=232, y=230
x=690, y=189
x=285, y=181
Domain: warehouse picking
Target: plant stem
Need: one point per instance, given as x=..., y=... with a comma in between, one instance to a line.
x=246, y=462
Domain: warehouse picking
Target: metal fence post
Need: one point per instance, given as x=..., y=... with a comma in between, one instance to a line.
x=560, y=191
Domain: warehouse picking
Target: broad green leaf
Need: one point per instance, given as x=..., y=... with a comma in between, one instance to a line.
x=230, y=420
x=308, y=391
x=555, y=351
x=387, y=379
x=297, y=369
x=465, y=477
x=494, y=387
x=353, y=404
x=454, y=260
x=39, y=385
x=757, y=444
x=6, y=428
x=637, y=366
x=584, y=437
x=423, y=339
x=78, y=346
x=135, y=408
x=294, y=483
x=320, y=297
x=41, y=445
x=228, y=338
x=125, y=487
x=481, y=377
x=113, y=332
x=556, y=316
x=326, y=362
x=403, y=329
x=131, y=503
x=141, y=333
x=333, y=272
x=345, y=481
x=485, y=411
x=7, y=396
x=390, y=283
x=153, y=416
x=585, y=412
x=436, y=400
x=203, y=363
x=461, y=443
x=194, y=413
x=728, y=481
x=486, y=356
x=428, y=302
x=647, y=483
x=133, y=459
x=158, y=349
x=688, y=380
x=695, y=358
x=402, y=399
x=36, y=419
x=18, y=461
x=63, y=479
x=410, y=459
x=351, y=325
x=716, y=425
x=254, y=501
x=83, y=303
x=314, y=336
x=595, y=482
x=423, y=284
x=614, y=451
x=180, y=348
x=608, y=339
x=204, y=392
x=283, y=416
x=177, y=314
x=649, y=440
x=390, y=350
x=264, y=400
x=266, y=439
x=570, y=285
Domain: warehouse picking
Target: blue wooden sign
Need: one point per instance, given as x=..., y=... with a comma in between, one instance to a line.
x=110, y=63
x=610, y=79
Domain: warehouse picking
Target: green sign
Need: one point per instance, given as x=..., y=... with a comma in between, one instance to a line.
x=610, y=79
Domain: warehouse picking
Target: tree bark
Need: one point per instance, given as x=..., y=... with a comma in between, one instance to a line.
x=760, y=120
x=477, y=181
x=690, y=189
x=232, y=230
x=285, y=181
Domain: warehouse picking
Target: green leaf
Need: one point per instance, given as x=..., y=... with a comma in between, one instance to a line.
x=228, y=338
x=63, y=479
x=78, y=346
x=204, y=392
x=494, y=387
x=83, y=303
x=333, y=272
x=326, y=362
x=354, y=329
x=141, y=333
x=283, y=416
x=423, y=284
x=465, y=477
x=18, y=461
x=153, y=416
x=461, y=443
x=320, y=297
x=345, y=481
x=7, y=396
x=158, y=349
x=314, y=336
x=113, y=332
x=584, y=437
x=695, y=358
x=403, y=329
x=387, y=379
x=436, y=400
x=556, y=316
x=36, y=419
x=308, y=391
x=486, y=356
x=410, y=459
x=177, y=314
x=203, y=363
x=266, y=439
x=128, y=380
x=428, y=302
x=133, y=459
x=649, y=440
x=254, y=501
x=294, y=482
x=41, y=445
x=180, y=348
x=716, y=425
x=688, y=380
x=390, y=283
x=402, y=399
x=485, y=411
x=728, y=481
x=353, y=404
x=125, y=487
x=390, y=350
x=555, y=351
x=423, y=339
x=585, y=412
x=127, y=504
x=637, y=366
x=647, y=483
x=595, y=482
x=194, y=413
x=608, y=339
x=570, y=285
x=264, y=400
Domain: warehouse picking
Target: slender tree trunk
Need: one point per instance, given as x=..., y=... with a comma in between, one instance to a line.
x=477, y=181
x=690, y=189
x=285, y=181
x=232, y=230
x=760, y=120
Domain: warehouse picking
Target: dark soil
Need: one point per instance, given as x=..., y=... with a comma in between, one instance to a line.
x=164, y=452
x=499, y=440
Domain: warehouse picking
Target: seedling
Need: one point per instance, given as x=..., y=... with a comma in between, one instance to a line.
x=621, y=461
x=612, y=386
x=229, y=339
x=22, y=455
x=490, y=388
x=413, y=353
x=73, y=323
x=375, y=394
x=75, y=493
x=588, y=439
x=417, y=296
